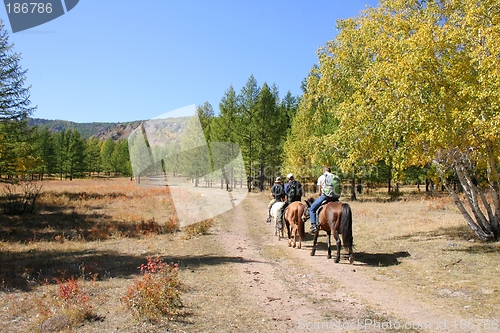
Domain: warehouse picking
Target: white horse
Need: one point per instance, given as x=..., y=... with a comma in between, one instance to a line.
x=278, y=226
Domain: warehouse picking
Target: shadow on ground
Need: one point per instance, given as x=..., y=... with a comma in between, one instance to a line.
x=481, y=248
x=24, y=270
x=380, y=259
x=450, y=233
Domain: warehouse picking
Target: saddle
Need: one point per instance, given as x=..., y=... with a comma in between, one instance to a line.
x=322, y=205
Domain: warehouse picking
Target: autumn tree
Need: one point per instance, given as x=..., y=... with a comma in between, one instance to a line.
x=414, y=82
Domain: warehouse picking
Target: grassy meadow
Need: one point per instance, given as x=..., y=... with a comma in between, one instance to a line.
x=72, y=262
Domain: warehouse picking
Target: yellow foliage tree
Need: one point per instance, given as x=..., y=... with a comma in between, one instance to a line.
x=413, y=82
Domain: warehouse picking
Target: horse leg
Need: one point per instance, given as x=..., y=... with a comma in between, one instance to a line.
x=351, y=255
x=295, y=231
x=329, y=245
x=300, y=240
x=315, y=240
x=288, y=227
x=339, y=244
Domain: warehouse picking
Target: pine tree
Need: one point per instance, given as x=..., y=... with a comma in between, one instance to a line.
x=106, y=155
x=46, y=150
x=76, y=155
x=14, y=110
x=62, y=147
x=268, y=134
x=205, y=115
x=93, y=156
x=121, y=157
x=247, y=123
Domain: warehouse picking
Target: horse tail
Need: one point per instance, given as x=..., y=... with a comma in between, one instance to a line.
x=346, y=225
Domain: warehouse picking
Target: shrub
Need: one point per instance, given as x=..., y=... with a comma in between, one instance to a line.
x=74, y=301
x=19, y=197
x=200, y=228
x=154, y=294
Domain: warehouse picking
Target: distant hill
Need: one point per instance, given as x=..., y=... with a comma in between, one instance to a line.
x=99, y=130
x=161, y=131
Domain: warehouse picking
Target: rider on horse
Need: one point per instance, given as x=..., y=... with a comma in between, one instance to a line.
x=328, y=190
x=293, y=192
x=277, y=193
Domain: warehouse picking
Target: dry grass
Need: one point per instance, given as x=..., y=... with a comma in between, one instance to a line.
x=423, y=246
x=98, y=233
x=75, y=213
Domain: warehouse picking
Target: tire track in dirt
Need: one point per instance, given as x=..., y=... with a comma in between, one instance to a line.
x=293, y=297
x=258, y=282
x=300, y=293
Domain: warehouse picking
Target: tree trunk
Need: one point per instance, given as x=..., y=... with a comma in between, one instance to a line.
x=484, y=227
x=353, y=189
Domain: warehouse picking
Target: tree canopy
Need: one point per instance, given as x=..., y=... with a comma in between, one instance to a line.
x=409, y=83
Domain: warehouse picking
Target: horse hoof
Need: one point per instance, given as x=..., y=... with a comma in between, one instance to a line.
x=299, y=247
x=312, y=254
x=328, y=257
x=351, y=259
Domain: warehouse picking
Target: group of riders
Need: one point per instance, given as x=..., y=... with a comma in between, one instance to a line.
x=328, y=190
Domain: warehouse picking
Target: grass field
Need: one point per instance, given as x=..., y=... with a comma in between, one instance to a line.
x=93, y=235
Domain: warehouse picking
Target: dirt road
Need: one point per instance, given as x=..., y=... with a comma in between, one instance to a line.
x=300, y=293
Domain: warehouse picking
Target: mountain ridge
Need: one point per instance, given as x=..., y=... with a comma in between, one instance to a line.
x=101, y=130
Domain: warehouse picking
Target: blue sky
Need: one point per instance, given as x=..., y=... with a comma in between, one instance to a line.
x=115, y=61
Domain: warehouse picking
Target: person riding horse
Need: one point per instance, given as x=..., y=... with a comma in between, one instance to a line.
x=277, y=193
x=328, y=190
x=293, y=192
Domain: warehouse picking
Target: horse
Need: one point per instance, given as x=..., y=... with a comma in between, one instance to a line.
x=296, y=214
x=278, y=226
x=337, y=217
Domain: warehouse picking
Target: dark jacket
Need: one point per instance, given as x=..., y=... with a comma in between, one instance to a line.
x=298, y=191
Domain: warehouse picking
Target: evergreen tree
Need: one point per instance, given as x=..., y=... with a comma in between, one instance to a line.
x=247, y=123
x=268, y=134
x=15, y=150
x=205, y=115
x=224, y=132
x=76, y=155
x=93, y=156
x=62, y=147
x=107, y=155
x=122, y=158
x=46, y=150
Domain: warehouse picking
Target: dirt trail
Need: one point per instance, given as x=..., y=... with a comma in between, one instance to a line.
x=300, y=293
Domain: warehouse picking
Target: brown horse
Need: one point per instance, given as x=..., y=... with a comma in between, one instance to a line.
x=337, y=217
x=296, y=214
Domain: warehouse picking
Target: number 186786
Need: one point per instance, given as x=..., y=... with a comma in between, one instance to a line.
x=29, y=8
